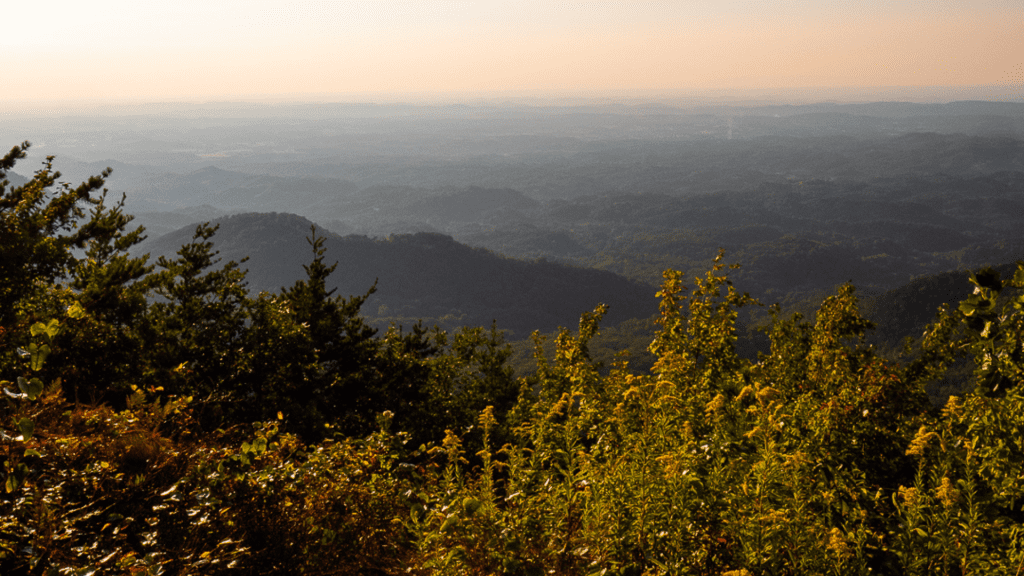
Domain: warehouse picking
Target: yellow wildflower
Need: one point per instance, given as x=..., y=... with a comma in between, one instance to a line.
x=767, y=394
x=947, y=494
x=908, y=495
x=921, y=441
x=716, y=405
x=747, y=392
x=837, y=543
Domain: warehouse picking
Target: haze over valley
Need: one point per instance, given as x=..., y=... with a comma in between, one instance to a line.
x=803, y=196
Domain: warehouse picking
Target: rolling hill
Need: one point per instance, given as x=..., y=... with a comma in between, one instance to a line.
x=422, y=275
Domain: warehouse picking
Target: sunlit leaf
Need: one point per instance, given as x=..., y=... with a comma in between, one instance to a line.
x=38, y=355
x=76, y=311
x=32, y=388
x=27, y=426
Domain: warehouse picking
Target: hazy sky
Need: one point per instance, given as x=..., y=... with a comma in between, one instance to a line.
x=141, y=49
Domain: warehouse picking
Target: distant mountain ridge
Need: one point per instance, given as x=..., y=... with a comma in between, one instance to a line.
x=423, y=275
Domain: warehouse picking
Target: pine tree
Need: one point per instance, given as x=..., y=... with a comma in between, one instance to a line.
x=38, y=222
x=194, y=329
x=43, y=225
x=336, y=383
x=101, y=350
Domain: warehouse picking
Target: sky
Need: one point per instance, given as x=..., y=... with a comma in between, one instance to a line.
x=142, y=50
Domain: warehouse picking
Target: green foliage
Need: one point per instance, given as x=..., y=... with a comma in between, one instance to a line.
x=341, y=343
x=279, y=433
x=470, y=373
x=133, y=492
x=101, y=348
x=37, y=231
x=797, y=463
x=193, y=330
x=995, y=330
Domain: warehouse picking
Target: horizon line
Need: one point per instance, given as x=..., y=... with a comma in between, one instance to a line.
x=934, y=94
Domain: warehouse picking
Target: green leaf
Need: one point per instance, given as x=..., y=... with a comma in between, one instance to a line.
x=471, y=505
x=37, y=329
x=16, y=477
x=449, y=524
x=32, y=388
x=259, y=445
x=977, y=304
x=75, y=311
x=457, y=554
x=26, y=426
x=38, y=356
x=51, y=328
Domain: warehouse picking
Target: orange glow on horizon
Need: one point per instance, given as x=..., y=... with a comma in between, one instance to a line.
x=465, y=51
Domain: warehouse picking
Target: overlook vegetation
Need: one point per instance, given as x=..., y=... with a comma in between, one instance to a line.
x=161, y=418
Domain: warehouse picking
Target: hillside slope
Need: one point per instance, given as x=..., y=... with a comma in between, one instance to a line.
x=423, y=275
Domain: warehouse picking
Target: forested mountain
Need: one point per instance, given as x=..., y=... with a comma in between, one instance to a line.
x=809, y=235
x=805, y=196
x=424, y=276
x=793, y=237
x=166, y=417
x=431, y=277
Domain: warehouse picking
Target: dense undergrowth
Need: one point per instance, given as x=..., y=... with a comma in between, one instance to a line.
x=164, y=421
